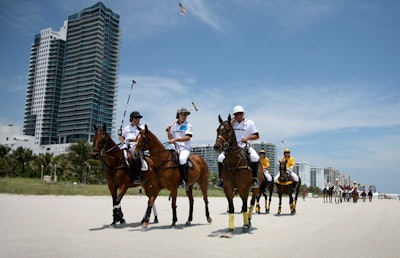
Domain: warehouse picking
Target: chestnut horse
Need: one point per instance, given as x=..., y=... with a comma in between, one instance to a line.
x=116, y=172
x=266, y=189
x=284, y=184
x=236, y=173
x=164, y=174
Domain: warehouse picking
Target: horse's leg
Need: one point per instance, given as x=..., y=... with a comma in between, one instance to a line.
x=174, y=194
x=117, y=204
x=280, y=202
x=117, y=212
x=267, y=203
x=146, y=218
x=231, y=211
x=291, y=202
x=258, y=208
x=203, y=186
x=189, y=194
x=255, y=194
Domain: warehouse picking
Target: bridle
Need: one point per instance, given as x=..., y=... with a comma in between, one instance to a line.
x=224, y=143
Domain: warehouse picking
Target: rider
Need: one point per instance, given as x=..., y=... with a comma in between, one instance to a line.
x=265, y=165
x=180, y=134
x=128, y=136
x=245, y=131
x=289, y=166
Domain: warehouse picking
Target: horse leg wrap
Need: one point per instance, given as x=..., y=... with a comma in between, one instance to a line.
x=231, y=221
x=250, y=211
x=245, y=218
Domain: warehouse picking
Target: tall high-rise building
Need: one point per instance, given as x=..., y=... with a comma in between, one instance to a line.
x=88, y=92
x=72, y=78
x=44, y=84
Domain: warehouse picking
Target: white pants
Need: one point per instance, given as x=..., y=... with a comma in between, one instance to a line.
x=183, y=156
x=253, y=156
x=295, y=177
x=267, y=175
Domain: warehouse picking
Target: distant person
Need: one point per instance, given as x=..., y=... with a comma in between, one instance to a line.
x=290, y=162
x=245, y=132
x=128, y=136
x=179, y=134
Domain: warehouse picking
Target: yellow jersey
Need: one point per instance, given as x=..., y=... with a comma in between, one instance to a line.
x=265, y=163
x=289, y=162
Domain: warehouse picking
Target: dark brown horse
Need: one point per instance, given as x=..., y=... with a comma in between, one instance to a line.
x=164, y=173
x=116, y=172
x=236, y=173
x=266, y=189
x=284, y=184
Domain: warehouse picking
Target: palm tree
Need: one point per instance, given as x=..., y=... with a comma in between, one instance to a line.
x=80, y=155
x=22, y=157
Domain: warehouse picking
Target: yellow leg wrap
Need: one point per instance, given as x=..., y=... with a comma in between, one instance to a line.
x=231, y=221
x=245, y=218
x=251, y=208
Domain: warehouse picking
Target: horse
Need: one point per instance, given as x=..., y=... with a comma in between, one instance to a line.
x=370, y=195
x=354, y=194
x=338, y=194
x=163, y=173
x=284, y=185
x=328, y=193
x=116, y=171
x=236, y=173
x=266, y=189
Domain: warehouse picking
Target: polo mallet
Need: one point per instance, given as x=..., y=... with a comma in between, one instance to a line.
x=127, y=102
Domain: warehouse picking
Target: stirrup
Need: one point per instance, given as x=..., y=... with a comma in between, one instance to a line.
x=254, y=183
x=219, y=183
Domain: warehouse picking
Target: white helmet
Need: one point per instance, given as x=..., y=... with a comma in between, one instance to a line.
x=238, y=109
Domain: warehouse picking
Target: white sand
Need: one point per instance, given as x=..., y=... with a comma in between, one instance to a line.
x=60, y=226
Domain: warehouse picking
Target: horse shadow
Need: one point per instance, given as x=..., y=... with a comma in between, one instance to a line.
x=225, y=233
x=119, y=226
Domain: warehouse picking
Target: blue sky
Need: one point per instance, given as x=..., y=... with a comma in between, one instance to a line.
x=322, y=75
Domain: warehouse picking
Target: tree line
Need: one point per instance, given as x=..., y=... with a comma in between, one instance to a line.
x=77, y=165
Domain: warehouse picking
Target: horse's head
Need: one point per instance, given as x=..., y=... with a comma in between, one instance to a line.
x=283, y=175
x=225, y=135
x=100, y=141
x=142, y=141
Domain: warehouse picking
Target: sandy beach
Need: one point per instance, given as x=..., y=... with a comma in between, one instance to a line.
x=77, y=226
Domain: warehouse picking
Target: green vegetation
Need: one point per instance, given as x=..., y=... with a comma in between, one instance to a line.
x=29, y=186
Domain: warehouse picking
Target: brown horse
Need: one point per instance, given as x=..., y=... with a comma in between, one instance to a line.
x=164, y=173
x=284, y=184
x=236, y=173
x=116, y=172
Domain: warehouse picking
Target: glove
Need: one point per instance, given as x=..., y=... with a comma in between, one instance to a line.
x=119, y=132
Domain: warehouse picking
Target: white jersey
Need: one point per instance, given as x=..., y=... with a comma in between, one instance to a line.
x=179, y=131
x=130, y=133
x=244, y=129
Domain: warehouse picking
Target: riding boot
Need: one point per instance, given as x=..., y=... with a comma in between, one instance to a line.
x=185, y=175
x=220, y=182
x=254, y=168
x=137, y=171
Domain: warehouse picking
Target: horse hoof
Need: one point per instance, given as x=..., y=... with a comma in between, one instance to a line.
x=155, y=220
x=144, y=228
x=246, y=228
x=122, y=221
x=209, y=219
x=113, y=225
x=188, y=223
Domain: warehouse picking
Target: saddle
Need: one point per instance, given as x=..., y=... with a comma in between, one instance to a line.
x=285, y=179
x=175, y=159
